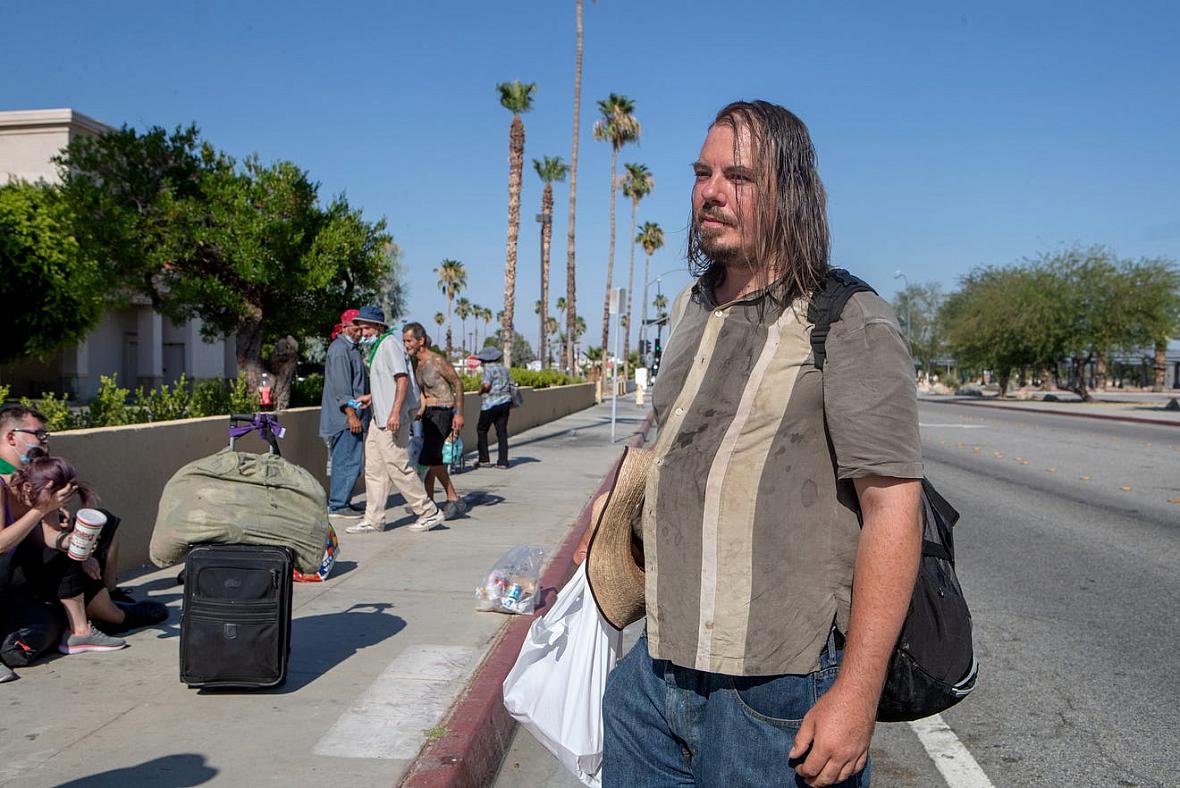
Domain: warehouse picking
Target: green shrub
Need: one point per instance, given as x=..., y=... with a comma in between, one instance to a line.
x=210, y=398
x=542, y=379
x=110, y=407
x=58, y=413
x=165, y=403
x=243, y=398
x=308, y=391
x=525, y=377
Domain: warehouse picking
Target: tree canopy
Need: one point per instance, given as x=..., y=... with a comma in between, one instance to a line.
x=1078, y=306
x=249, y=248
x=51, y=292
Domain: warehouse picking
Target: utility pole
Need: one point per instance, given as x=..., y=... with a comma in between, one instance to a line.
x=618, y=303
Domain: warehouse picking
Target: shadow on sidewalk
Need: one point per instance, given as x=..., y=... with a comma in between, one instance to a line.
x=171, y=771
x=320, y=643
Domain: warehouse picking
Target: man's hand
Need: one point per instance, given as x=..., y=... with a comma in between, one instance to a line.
x=457, y=423
x=394, y=423
x=835, y=733
x=354, y=422
x=365, y=400
x=835, y=736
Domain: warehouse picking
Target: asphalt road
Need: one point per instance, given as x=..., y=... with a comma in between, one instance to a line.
x=1069, y=552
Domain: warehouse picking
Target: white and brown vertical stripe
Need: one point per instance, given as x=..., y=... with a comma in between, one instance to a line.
x=750, y=524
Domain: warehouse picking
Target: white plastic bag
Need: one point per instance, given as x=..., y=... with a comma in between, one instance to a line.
x=555, y=688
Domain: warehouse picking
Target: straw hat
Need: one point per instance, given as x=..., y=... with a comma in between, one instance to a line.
x=614, y=561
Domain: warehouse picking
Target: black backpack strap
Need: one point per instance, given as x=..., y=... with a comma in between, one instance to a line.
x=826, y=305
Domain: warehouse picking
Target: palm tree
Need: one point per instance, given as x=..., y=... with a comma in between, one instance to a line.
x=579, y=329
x=637, y=184
x=617, y=126
x=551, y=329
x=452, y=278
x=439, y=318
x=516, y=97
x=660, y=302
x=463, y=311
x=486, y=316
x=651, y=238
x=570, y=283
x=549, y=169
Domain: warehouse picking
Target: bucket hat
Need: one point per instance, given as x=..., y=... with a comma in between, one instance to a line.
x=490, y=353
x=370, y=314
x=614, y=558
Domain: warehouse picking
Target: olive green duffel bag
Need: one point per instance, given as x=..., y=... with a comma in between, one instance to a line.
x=234, y=497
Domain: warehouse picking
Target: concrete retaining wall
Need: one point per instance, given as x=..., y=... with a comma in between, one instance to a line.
x=128, y=466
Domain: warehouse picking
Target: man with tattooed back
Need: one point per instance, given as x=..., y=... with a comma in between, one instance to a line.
x=440, y=410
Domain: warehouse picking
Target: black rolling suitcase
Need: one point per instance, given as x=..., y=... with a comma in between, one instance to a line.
x=235, y=629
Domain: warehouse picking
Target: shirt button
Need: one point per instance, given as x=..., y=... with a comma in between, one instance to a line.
x=719, y=313
x=680, y=411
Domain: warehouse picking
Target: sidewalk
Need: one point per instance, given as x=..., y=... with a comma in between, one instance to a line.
x=379, y=653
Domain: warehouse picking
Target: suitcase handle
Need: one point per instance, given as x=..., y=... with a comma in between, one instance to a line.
x=266, y=424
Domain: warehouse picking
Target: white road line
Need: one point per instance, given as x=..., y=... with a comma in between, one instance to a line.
x=953, y=760
x=959, y=426
x=411, y=695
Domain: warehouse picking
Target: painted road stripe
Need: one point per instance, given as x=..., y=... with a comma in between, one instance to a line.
x=410, y=696
x=959, y=426
x=953, y=760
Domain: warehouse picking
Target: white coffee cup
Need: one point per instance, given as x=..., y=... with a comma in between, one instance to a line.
x=88, y=525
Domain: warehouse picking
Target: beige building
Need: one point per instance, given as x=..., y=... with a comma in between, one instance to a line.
x=137, y=343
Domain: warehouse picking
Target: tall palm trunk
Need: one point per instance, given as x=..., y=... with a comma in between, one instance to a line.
x=515, y=163
x=643, y=304
x=546, y=240
x=570, y=284
x=449, y=298
x=630, y=289
x=610, y=259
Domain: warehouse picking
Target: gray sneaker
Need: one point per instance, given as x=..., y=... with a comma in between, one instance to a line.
x=93, y=641
x=454, y=509
x=428, y=521
x=6, y=673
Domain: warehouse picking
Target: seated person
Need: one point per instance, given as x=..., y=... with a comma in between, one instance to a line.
x=52, y=574
x=23, y=428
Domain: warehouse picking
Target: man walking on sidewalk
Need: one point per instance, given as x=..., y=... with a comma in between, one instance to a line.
x=342, y=418
x=394, y=404
x=772, y=610
x=441, y=412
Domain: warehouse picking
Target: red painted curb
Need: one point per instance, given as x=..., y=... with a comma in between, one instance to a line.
x=1055, y=412
x=479, y=727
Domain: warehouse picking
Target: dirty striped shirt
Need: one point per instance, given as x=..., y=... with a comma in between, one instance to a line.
x=750, y=519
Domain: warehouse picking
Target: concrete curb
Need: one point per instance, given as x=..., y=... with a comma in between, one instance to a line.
x=479, y=728
x=1055, y=412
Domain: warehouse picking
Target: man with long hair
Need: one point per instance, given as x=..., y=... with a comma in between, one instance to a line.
x=780, y=524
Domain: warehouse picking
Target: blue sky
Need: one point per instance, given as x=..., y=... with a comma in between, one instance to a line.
x=950, y=134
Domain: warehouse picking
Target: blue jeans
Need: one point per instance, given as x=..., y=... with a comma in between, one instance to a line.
x=666, y=725
x=348, y=458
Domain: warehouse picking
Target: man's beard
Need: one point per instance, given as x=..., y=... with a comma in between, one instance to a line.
x=719, y=253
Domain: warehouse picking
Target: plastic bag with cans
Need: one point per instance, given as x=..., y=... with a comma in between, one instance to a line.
x=512, y=584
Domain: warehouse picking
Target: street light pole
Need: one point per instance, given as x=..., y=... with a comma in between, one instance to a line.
x=908, y=306
x=656, y=282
